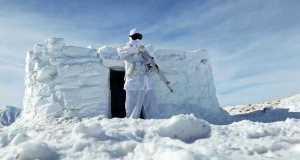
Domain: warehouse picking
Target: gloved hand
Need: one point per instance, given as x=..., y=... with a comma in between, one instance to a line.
x=149, y=67
x=142, y=48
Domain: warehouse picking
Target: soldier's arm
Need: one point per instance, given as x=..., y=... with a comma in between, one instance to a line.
x=127, y=52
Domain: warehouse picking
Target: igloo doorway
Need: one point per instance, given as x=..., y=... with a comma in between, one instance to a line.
x=117, y=93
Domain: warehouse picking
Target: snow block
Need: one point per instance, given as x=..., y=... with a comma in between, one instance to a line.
x=74, y=81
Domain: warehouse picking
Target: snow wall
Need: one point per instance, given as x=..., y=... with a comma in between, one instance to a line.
x=64, y=80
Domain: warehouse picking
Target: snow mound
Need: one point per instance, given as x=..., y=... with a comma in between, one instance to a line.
x=89, y=131
x=36, y=150
x=184, y=127
x=255, y=132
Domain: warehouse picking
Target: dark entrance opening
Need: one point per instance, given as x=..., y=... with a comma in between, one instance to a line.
x=117, y=93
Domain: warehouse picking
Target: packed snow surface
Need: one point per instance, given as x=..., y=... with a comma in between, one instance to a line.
x=259, y=131
x=98, y=138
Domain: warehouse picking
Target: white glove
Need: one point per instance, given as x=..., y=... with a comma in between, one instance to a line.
x=142, y=48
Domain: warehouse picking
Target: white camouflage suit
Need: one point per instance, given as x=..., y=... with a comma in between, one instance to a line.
x=139, y=84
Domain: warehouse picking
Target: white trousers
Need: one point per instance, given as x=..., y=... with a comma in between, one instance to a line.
x=138, y=101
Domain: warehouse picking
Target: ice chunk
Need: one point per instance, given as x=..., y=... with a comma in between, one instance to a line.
x=36, y=150
x=184, y=127
x=89, y=131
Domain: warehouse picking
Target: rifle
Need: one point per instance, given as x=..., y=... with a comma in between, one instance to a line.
x=150, y=60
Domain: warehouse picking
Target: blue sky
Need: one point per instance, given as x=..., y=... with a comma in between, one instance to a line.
x=254, y=45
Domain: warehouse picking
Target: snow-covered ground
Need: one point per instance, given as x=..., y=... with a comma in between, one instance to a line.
x=260, y=131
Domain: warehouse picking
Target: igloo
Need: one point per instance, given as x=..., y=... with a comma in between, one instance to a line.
x=65, y=80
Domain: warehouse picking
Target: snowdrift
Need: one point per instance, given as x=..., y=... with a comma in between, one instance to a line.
x=97, y=138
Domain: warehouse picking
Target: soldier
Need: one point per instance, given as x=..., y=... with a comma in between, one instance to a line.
x=139, y=85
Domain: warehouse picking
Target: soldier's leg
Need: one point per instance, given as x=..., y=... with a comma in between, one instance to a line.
x=133, y=104
x=150, y=104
